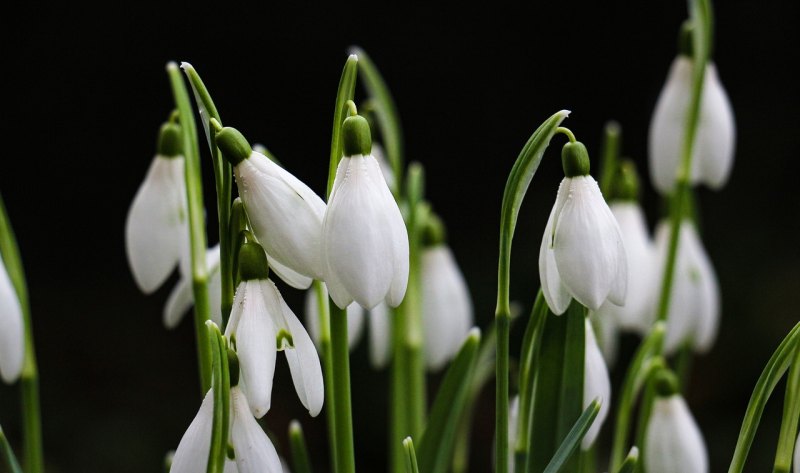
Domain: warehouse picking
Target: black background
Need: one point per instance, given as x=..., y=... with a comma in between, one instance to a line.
x=85, y=91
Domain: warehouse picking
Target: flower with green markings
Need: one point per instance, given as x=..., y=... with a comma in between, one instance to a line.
x=364, y=238
x=582, y=255
x=12, y=342
x=261, y=324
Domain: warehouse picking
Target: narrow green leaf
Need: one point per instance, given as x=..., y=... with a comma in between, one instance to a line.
x=791, y=415
x=297, y=442
x=346, y=91
x=609, y=157
x=220, y=422
x=411, y=456
x=631, y=461
x=436, y=446
x=773, y=372
x=573, y=439
x=7, y=455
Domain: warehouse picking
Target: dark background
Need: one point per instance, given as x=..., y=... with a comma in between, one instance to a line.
x=85, y=92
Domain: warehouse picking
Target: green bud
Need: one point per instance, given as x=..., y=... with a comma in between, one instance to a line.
x=356, y=137
x=686, y=39
x=626, y=186
x=575, y=159
x=170, y=140
x=252, y=262
x=234, y=145
x=434, y=232
x=233, y=366
x=666, y=383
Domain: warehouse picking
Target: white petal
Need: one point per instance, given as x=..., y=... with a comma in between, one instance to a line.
x=797, y=456
x=288, y=275
x=156, y=231
x=254, y=452
x=380, y=336
x=555, y=293
x=596, y=383
x=255, y=345
x=361, y=247
x=181, y=298
x=355, y=319
x=192, y=453
x=286, y=215
x=708, y=311
x=304, y=364
x=607, y=329
x=399, y=236
x=12, y=342
x=673, y=439
x=446, y=306
x=513, y=419
x=230, y=466
x=588, y=247
x=386, y=167
x=716, y=133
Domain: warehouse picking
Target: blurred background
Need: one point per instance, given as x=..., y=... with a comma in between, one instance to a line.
x=85, y=92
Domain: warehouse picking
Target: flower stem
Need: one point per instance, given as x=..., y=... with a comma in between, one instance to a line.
x=610, y=157
x=399, y=398
x=33, y=456
x=327, y=359
x=791, y=415
x=345, y=454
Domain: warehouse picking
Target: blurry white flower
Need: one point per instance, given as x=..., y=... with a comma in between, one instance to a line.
x=712, y=157
x=262, y=324
x=673, y=440
x=364, y=239
x=355, y=318
x=513, y=420
x=253, y=450
x=596, y=383
x=607, y=331
x=581, y=255
x=694, y=306
x=182, y=297
x=386, y=168
x=156, y=231
x=380, y=336
x=285, y=214
x=12, y=342
x=446, y=305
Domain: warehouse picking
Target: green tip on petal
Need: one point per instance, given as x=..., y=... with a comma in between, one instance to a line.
x=284, y=340
x=253, y=262
x=666, y=383
x=170, y=140
x=356, y=137
x=575, y=159
x=233, y=366
x=685, y=40
x=234, y=145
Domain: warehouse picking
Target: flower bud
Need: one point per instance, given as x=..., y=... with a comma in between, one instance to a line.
x=575, y=159
x=170, y=141
x=234, y=145
x=253, y=262
x=356, y=137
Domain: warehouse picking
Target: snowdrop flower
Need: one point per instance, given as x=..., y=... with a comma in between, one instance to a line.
x=253, y=449
x=262, y=324
x=364, y=239
x=156, y=231
x=673, y=440
x=285, y=214
x=596, y=383
x=355, y=318
x=714, y=144
x=12, y=342
x=446, y=305
x=380, y=336
x=581, y=255
x=182, y=298
x=694, y=307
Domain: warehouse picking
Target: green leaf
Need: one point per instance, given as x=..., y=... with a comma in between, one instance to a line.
x=773, y=372
x=436, y=446
x=346, y=91
x=7, y=455
x=561, y=459
x=631, y=461
x=791, y=415
x=297, y=443
x=221, y=385
x=411, y=456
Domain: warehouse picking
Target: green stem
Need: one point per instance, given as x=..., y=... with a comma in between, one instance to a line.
x=327, y=359
x=610, y=157
x=345, y=455
x=411, y=456
x=197, y=236
x=791, y=415
x=346, y=91
x=7, y=457
x=297, y=442
x=33, y=456
x=399, y=421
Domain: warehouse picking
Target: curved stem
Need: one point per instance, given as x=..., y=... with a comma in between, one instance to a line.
x=327, y=359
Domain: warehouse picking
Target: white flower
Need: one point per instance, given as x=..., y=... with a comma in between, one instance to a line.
x=712, y=157
x=355, y=318
x=364, y=239
x=380, y=336
x=582, y=255
x=446, y=305
x=596, y=383
x=262, y=324
x=156, y=231
x=636, y=314
x=673, y=440
x=694, y=304
x=12, y=342
x=607, y=331
x=182, y=297
x=253, y=449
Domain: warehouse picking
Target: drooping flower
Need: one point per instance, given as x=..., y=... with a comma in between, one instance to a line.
x=12, y=342
x=181, y=298
x=694, y=307
x=253, y=450
x=712, y=155
x=262, y=324
x=286, y=215
x=355, y=318
x=582, y=254
x=364, y=239
x=156, y=231
x=596, y=383
x=673, y=440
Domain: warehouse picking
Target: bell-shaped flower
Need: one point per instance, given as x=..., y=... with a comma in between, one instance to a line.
x=253, y=450
x=694, y=304
x=355, y=318
x=182, y=296
x=446, y=305
x=262, y=324
x=156, y=231
x=673, y=440
x=286, y=215
x=582, y=255
x=712, y=154
x=364, y=238
x=596, y=383
x=12, y=341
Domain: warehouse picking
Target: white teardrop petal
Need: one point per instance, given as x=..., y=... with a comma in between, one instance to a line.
x=716, y=133
x=191, y=455
x=288, y=275
x=254, y=451
x=708, y=311
x=12, y=342
x=513, y=419
x=606, y=328
x=181, y=298
x=673, y=439
x=355, y=319
x=304, y=364
x=555, y=293
x=380, y=336
x=596, y=384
